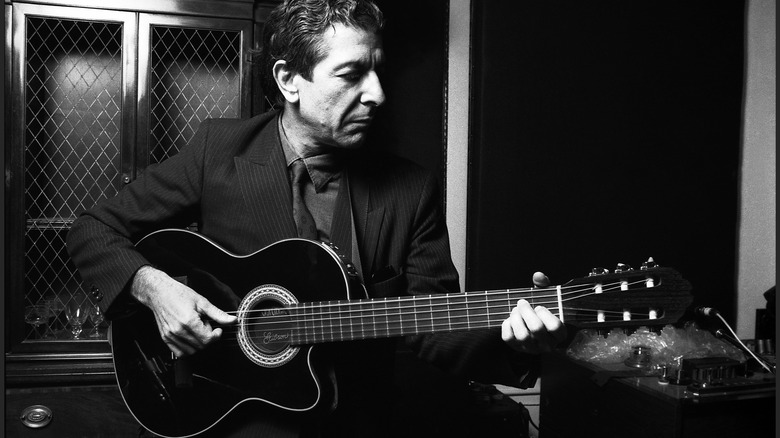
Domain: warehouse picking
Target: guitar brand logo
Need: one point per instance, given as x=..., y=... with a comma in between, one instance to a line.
x=273, y=312
x=271, y=337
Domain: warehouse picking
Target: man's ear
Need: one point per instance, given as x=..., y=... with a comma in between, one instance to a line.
x=284, y=80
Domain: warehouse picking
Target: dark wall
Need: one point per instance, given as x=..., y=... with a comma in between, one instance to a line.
x=411, y=122
x=606, y=132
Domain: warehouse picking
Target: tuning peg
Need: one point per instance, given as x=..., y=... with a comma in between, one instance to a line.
x=622, y=267
x=649, y=264
x=598, y=271
x=650, y=283
x=598, y=288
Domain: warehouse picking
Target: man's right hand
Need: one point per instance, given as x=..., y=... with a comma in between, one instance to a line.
x=183, y=316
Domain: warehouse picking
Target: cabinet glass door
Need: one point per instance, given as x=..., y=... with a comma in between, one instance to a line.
x=71, y=91
x=191, y=69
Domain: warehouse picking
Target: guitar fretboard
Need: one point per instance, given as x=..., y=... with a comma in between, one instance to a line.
x=328, y=321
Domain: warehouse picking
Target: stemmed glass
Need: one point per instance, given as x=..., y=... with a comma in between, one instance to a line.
x=77, y=311
x=36, y=315
x=96, y=316
x=56, y=307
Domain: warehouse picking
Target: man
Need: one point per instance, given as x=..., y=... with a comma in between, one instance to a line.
x=321, y=61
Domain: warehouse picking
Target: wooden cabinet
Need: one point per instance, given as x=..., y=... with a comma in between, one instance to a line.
x=77, y=411
x=96, y=92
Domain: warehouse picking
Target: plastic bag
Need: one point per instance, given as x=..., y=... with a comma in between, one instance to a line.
x=668, y=347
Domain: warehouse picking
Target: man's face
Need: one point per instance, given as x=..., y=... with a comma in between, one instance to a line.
x=338, y=104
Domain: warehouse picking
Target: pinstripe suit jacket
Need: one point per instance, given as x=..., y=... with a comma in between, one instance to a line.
x=232, y=180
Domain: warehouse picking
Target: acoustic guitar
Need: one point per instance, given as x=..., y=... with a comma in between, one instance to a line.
x=296, y=295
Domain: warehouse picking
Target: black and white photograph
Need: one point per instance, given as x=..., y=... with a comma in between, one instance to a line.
x=379, y=218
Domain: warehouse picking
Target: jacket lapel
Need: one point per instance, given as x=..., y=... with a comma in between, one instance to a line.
x=368, y=221
x=341, y=227
x=265, y=185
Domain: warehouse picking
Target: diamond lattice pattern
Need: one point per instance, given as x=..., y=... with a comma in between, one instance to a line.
x=73, y=93
x=195, y=74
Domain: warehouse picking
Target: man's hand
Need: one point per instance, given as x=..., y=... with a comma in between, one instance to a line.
x=533, y=330
x=183, y=316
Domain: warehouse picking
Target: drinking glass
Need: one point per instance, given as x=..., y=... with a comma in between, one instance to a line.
x=96, y=316
x=36, y=315
x=56, y=306
x=77, y=312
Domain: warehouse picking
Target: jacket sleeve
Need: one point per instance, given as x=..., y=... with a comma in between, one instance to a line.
x=479, y=354
x=101, y=240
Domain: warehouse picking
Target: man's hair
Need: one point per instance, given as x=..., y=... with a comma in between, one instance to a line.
x=294, y=30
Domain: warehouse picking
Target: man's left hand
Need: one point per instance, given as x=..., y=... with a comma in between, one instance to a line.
x=533, y=330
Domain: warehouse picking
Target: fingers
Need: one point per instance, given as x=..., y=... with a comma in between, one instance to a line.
x=532, y=330
x=552, y=324
x=217, y=315
x=186, y=337
x=184, y=323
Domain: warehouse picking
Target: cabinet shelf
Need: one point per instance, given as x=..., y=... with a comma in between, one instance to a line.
x=50, y=223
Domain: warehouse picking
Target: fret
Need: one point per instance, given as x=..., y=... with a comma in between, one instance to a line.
x=426, y=320
x=449, y=314
x=315, y=321
x=408, y=317
x=350, y=319
x=529, y=295
x=367, y=321
x=312, y=322
x=458, y=319
x=560, y=302
x=330, y=316
x=477, y=310
x=339, y=309
x=381, y=318
x=301, y=323
x=399, y=327
x=302, y=308
x=296, y=335
x=391, y=316
x=486, y=296
x=468, y=313
x=414, y=313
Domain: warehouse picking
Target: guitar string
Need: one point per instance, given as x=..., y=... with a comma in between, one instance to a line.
x=429, y=322
x=461, y=298
x=363, y=312
x=323, y=337
x=326, y=333
x=395, y=308
x=444, y=300
x=435, y=323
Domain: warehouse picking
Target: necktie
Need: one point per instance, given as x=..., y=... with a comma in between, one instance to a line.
x=303, y=218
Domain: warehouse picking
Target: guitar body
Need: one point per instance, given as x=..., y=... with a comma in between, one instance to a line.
x=182, y=397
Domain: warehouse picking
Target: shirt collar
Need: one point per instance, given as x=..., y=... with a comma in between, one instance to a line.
x=322, y=168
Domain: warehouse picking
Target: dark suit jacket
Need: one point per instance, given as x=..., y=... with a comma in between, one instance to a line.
x=232, y=180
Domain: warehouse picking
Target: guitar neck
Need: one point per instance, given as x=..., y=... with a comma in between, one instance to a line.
x=329, y=321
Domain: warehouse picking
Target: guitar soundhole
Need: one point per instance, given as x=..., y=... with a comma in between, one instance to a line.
x=269, y=329
x=265, y=330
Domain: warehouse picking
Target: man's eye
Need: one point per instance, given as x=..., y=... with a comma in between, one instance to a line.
x=351, y=76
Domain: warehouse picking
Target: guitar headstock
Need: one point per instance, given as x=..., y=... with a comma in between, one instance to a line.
x=650, y=295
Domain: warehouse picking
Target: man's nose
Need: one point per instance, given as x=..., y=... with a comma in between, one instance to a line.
x=373, y=94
